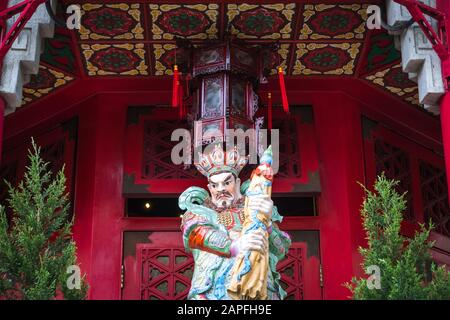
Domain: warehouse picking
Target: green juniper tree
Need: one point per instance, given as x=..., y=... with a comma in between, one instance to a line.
x=406, y=269
x=37, y=248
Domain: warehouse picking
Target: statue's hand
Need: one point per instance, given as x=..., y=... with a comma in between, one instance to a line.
x=261, y=203
x=253, y=241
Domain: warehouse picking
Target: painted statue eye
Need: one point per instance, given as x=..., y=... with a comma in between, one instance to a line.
x=227, y=183
x=214, y=185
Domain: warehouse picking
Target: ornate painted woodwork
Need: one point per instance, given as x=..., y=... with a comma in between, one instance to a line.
x=334, y=21
x=121, y=39
x=261, y=21
x=397, y=82
x=46, y=81
x=325, y=59
x=117, y=59
x=192, y=21
x=111, y=21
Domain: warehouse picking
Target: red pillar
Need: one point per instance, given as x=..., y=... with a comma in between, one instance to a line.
x=339, y=139
x=444, y=5
x=445, y=124
x=85, y=185
x=99, y=203
x=107, y=201
x=2, y=118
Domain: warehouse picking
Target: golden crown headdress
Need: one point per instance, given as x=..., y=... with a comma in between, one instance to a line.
x=218, y=161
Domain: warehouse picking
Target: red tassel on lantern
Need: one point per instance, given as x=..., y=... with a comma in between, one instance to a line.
x=269, y=111
x=175, y=87
x=284, y=98
x=181, y=111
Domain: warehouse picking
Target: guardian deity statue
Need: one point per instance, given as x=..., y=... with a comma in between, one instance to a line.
x=232, y=232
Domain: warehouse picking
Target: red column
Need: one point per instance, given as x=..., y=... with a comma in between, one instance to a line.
x=108, y=204
x=2, y=118
x=444, y=5
x=99, y=203
x=445, y=124
x=339, y=140
x=85, y=185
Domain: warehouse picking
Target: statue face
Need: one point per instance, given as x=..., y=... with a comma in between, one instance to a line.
x=225, y=189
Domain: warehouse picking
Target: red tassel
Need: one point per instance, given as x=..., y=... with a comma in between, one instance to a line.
x=181, y=104
x=269, y=111
x=284, y=98
x=176, y=84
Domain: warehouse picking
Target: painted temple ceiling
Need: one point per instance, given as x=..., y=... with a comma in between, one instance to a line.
x=138, y=39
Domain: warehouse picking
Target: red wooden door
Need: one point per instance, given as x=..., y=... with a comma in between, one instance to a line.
x=164, y=273
x=161, y=270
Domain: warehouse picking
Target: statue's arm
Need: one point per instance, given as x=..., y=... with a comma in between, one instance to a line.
x=201, y=234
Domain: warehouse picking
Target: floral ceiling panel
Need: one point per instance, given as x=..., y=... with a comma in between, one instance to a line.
x=397, y=82
x=138, y=38
x=326, y=59
x=46, y=81
x=127, y=59
x=268, y=21
x=119, y=21
x=333, y=21
x=196, y=21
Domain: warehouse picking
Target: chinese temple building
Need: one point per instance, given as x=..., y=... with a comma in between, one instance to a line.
x=98, y=99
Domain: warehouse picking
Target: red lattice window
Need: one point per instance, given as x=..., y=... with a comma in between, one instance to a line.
x=157, y=163
x=292, y=271
x=165, y=273
x=435, y=197
x=395, y=163
x=57, y=149
x=289, y=148
x=53, y=153
x=148, y=166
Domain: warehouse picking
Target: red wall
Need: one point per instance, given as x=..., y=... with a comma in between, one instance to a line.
x=101, y=107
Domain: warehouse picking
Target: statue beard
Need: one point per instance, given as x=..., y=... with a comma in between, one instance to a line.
x=224, y=200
